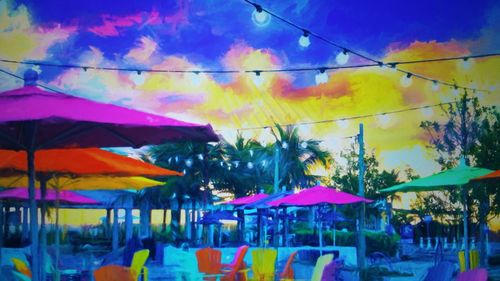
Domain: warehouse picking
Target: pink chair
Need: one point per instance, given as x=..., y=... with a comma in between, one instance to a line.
x=478, y=274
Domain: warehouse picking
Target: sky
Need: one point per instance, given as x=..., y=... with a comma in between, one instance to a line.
x=221, y=35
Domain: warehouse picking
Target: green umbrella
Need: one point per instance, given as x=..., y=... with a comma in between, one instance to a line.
x=458, y=176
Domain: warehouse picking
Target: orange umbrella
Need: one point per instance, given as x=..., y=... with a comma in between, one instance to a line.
x=81, y=161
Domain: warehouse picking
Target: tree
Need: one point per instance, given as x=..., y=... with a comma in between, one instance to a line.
x=470, y=131
x=346, y=178
x=297, y=156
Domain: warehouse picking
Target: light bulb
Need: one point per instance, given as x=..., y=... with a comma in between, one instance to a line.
x=250, y=165
x=384, y=120
x=195, y=78
x=304, y=39
x=343, y=124
x=284, y=145
x=221, y=164
x=257, y=79
x=176, y=158
x=264, y=163
x=321, y=77
x=138, y=78
x=200, y=156
x=427, y=111
x=236, y=164
x=251, y=152
x=189, y=162
x=435, y=86
x=184, y=171
x=455, y=91
x=260, y=17
x=406, y=80
x=466, y=63
x=303, y=145
x=342, y=57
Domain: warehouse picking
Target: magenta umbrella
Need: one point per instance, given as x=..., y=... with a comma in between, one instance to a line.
x=34, y=119
x=318, y=195
x=21, y=193
x=247, y=199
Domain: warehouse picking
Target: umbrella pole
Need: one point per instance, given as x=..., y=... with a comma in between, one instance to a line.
x=35, y=265
x=57, y=242
x=320, y=238
x=1, y=229
x=334, y=224
x=43, y=228
x=466, y=234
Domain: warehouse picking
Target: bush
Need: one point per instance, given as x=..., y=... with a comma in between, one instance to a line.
x=375, y=241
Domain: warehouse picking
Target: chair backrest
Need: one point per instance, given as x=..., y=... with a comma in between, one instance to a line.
x=442, y=271
x=320, y=266
x=113, y=273
x=287, y=272
x=209, y=260
x=21, y=267
x=263, y=263
x=478, y=274
x=20, y=276
x=237, y=263
x=138, y=262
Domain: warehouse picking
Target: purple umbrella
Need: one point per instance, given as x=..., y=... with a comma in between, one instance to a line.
x=34, y=119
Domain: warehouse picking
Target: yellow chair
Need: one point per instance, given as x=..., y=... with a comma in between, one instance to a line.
x=21, y=267
x=320, y=266
x=137, y=267
x=263, y=264
x=473, y=259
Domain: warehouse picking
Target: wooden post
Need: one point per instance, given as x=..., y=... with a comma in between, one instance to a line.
x=361, y=247
x=35, y=264
x=108, y=223
x=43, y=227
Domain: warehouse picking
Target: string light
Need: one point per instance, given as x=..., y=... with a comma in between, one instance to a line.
x=427, y=111
x=435, y=86
x=466, y=63
x=321, y=77
x=455, y=91
x=304, y=39
x=189, y=163
x=200, y=157
x=303, y=145
x=342, y=57
x=406, y=80
x=195, y=78
x=257, y=79
x=250, y=165
x=260, y=17
x=284, y=145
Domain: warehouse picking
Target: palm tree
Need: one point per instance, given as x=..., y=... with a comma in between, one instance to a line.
x=243, y=168
x=197, y=162
x=297, y=156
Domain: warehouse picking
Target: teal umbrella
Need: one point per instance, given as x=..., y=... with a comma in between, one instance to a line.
x=456, y=177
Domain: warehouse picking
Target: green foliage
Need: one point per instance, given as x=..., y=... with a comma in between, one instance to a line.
x=377, y=273
x=375, y=241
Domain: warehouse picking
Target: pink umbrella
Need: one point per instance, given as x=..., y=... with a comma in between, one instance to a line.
x=247, y=199
x=34, y=119
x=21, y=193
x=318, y=195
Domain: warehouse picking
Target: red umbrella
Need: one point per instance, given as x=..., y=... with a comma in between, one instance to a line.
x=34, y=119
x=21, y=193
x=318, y=195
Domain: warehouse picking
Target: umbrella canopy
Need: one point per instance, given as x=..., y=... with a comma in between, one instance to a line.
x=494, y=175
x=216, y=217
x=69, y=121
x=85, y=183
x=247, y=199
x=318, y=195
x=262, y=203
x=93, y=161
x=460, y=175
x=21, y=193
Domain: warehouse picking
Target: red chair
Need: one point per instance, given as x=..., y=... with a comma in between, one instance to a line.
x=113, y=273
x=287, y=273
x=236, y=270
x=209, y=263
x=478, y=274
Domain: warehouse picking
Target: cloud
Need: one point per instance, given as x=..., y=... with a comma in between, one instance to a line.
x=142, y=53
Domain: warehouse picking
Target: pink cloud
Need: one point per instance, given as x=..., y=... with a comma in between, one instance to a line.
x=112, y=23
x=145, y=48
